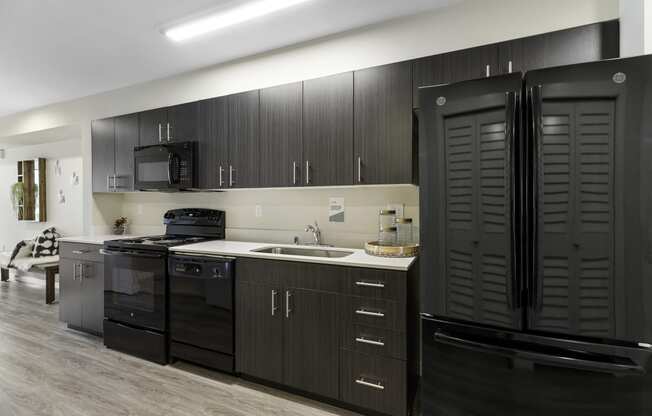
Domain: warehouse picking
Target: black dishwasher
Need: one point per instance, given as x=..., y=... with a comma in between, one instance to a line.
x=201, y=310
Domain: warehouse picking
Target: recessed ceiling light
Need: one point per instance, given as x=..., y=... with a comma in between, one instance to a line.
x=225, y=18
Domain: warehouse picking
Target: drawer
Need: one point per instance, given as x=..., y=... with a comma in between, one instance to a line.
x=379, y=313
x=372, y=283
x=375, y=383
x=80, y=251
x=375, y=341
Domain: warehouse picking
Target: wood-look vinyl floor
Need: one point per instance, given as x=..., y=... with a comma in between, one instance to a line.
x=47, y=369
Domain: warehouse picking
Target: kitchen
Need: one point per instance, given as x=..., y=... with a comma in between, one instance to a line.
x=253, y=188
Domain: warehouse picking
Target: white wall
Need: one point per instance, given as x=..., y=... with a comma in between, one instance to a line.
x=66, y=217
x=471, y=23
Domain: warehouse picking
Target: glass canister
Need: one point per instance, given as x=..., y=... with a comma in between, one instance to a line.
x=387, y=227
x=404, y=232
x=387, y=236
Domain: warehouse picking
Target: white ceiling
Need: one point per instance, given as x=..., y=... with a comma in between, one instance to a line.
x=53, y=50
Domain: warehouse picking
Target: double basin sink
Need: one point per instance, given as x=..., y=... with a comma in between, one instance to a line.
x=308, y=252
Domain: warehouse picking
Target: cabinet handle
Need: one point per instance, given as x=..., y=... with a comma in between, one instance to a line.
x=79, y=251
x=359, y=169
x=364, y=340
x=370, y=313
x=287, y=303
x=231, y=170
x=488, y=70
x=160, y=138
x=221, y=181
x=294, y=173
x=307, y=172
x=370, y=284
x=274, y=307
x=168, y=132
x=509, y=67
x=375, y=385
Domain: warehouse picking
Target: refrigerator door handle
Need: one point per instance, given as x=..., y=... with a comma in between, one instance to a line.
x=541, y=358
x=511, y=129
x=535, y=292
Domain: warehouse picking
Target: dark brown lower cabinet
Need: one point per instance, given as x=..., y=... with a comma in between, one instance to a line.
x=341, y=333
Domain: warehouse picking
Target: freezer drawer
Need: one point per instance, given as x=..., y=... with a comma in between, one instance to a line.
x=468, y=372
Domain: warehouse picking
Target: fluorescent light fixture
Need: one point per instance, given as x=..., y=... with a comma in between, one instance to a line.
x=226, y=18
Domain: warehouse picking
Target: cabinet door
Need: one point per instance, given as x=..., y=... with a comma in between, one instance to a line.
x=213, y=149
x=182, y=123
x=244, y=140
x=70, y=305
x=280, y=135
x=103, y=153
x=383, y=140
x=259, y=331
x=328, y=130
x=152, y=126
x=126, y=138
x=92, y=296
x=311, y=342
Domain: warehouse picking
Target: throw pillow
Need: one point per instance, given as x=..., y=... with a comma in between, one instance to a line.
x=22, y=249
x=46, y=244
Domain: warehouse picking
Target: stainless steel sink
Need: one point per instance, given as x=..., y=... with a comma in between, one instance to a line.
x=309, y=252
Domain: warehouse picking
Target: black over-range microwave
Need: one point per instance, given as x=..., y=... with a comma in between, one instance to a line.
x=165, y=167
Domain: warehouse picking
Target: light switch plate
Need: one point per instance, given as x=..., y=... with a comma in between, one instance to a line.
x=259, y=211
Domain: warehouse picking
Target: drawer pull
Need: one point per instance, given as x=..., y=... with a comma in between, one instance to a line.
x=79, y=252
x=370, y=313
x=364, y=340
x=370, y=284
x=377, y=385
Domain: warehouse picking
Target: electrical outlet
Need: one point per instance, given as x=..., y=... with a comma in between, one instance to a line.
x=259, y=211
x=398, y=207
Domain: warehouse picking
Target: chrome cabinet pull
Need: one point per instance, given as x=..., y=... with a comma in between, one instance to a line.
x=370, y=313
x=274, y=307
x=509, y=67
x=221, y=181
x=160, y=138
x=307, y=172
x=287, y=303
x=370, y=284
x=364, y=340
x=359, y=169
x=294, y=173
x=488, y=71
x=79, y=251
x=377, y=385
x=231, y=170
x=168, y=129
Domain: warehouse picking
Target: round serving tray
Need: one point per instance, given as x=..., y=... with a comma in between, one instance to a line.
x=374, y=248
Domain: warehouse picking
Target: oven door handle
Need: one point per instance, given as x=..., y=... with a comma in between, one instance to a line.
x=131, y=253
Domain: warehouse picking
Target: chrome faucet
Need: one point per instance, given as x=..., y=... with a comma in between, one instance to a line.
x=316, y=233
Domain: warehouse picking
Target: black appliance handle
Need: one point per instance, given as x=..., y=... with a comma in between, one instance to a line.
x=538, y=357
x=511, y=122
x=131, y=253
x=173, y=177
x=535, y=112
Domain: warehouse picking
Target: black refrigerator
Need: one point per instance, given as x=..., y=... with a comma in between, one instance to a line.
x=536, y=242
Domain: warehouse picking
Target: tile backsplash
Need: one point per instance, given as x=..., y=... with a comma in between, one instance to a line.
x=267, y=215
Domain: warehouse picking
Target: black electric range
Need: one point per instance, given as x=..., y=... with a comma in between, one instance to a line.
x=136, y=282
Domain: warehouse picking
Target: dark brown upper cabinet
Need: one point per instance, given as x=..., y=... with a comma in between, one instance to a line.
x=213, y=143
x=280, y=135
x=243, y=140
x=328, y=130
x=570, y=46
x=383, y=141
x=179, y=123
x=113, y=141
x=564, y=47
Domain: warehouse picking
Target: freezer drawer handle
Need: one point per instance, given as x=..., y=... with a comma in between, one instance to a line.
x=370, y=313
x=555, y=360
x=370, y=284
x=374, y=385
x=364, y=340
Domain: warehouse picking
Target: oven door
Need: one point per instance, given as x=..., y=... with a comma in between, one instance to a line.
x=135, y=288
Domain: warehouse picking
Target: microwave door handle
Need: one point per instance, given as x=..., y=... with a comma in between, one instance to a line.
x=130, y=253
x=170, y=168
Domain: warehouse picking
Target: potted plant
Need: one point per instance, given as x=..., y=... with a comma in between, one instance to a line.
x=120, y=225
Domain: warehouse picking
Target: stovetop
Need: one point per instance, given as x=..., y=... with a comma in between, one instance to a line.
x=157, y=242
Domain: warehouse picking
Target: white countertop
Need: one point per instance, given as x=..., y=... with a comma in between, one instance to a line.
x=243, y=249
x=94, y=239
